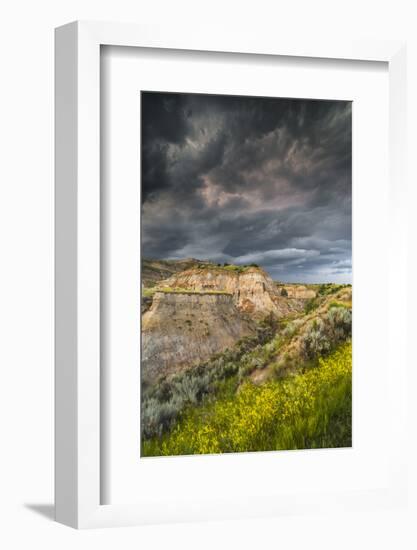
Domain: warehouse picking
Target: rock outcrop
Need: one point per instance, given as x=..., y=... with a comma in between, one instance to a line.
x=300, y=292
x=155, y=271
x=202, y=310
x=253, y=290
x=181, y=330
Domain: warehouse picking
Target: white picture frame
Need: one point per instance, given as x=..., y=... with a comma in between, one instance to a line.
x=77, y=242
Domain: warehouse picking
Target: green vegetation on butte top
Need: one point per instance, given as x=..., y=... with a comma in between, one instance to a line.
x=227, y=267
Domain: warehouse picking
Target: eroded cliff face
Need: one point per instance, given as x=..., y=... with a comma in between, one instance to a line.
x=201, y=311
x=253, y=291
x=181, y=330
x=299, y=291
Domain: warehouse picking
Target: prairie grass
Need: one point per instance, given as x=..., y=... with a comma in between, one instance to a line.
x=309, y=410
x=231, y=268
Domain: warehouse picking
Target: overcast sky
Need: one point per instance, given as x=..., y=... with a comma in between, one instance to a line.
x=248, y=180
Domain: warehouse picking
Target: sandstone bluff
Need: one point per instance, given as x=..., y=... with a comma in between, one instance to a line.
x=202, y=310
x=183, y=329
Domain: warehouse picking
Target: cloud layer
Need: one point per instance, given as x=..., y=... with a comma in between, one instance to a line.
x=243, y=180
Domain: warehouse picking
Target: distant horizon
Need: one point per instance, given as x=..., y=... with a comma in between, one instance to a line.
x=249, y=180
x=267, y=269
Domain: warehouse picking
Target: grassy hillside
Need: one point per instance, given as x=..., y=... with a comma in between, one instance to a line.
x=309, y=410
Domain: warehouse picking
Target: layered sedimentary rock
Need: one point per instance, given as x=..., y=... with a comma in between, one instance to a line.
x=299, y=292
x=254, y=292
x=201, y=311
x=183, y=329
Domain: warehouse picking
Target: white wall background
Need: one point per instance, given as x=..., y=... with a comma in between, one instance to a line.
x=26, y=270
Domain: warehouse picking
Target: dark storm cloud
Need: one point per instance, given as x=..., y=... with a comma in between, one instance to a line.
x=248, y=180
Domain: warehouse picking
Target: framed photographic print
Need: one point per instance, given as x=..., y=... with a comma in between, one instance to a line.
x=248, y=349
x=228, y=215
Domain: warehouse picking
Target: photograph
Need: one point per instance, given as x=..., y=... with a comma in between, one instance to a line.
x=246, y=274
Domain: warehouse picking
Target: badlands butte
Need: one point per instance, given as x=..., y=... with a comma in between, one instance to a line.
x=194, y=309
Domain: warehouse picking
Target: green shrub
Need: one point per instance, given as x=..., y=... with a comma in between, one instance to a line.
x=339, y=320
x=322, y=335
x=311, y=305
x=158, y=417
x=315, y=340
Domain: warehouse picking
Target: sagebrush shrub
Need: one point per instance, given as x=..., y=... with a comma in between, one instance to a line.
x=340, y=322
x=158, y=417
x=315, y=340
x=322, y=335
